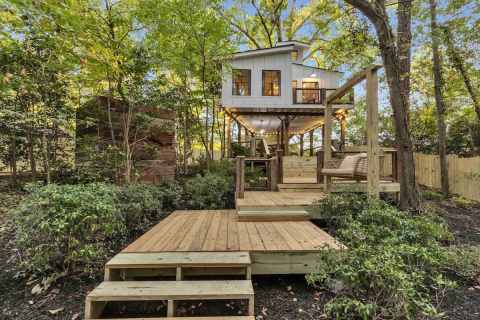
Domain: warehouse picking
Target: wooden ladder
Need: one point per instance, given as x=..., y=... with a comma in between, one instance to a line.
x=120, y=266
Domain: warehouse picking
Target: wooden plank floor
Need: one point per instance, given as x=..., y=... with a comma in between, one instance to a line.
x=220, y=230
x=278, y=199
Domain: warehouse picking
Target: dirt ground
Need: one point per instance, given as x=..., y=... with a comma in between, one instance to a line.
x=276, y=297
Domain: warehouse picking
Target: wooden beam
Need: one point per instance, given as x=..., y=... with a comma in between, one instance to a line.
x=353, y=81
x=327, y=142
x=301, y=145
x=343, y=132
x=240, y=178
x=373, y=170
x=311, y=142
x=239, y=132
x=228, y=134
x=253, y=146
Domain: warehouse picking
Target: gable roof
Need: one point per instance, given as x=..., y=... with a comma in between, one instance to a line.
x=285, y=46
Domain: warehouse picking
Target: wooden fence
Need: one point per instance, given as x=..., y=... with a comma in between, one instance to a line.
x=463, y=173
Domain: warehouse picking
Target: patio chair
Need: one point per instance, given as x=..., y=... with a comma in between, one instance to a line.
x=351, y=167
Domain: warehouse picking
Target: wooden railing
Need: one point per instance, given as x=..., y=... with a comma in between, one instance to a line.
x=274, y=170
x=318, y=96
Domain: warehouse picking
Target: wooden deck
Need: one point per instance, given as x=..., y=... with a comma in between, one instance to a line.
x=278, y=247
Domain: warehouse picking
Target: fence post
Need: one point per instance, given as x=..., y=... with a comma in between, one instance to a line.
x=240, y=177
x=279, y=154
x=320, y=166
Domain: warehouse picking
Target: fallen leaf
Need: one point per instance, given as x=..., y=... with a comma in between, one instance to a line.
x=55, y=311
x=37, y=289
x=75, y=316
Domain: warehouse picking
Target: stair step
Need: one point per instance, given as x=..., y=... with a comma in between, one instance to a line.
x=188, y=318
x=300, y=187
x=166, y=290
x=178, y=260
x=273, y=215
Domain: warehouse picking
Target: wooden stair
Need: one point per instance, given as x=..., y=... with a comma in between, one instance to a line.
x=273, y=215
x=118, y=268
x=166, y=290
x=300, y=187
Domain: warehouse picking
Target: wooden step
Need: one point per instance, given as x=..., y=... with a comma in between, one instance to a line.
x=166, y=290
x=178, y=261
x=273, y=215
x=300, y=187
x=188, y=318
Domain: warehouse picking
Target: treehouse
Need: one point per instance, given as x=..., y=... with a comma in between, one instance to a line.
x=274, y=100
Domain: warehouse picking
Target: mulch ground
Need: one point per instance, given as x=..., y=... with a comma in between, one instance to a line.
x=276, y=297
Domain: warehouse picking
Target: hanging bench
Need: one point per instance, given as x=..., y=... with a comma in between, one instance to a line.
x=351, y=167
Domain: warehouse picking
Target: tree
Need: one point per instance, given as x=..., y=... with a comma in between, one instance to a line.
x=440, y=102
x=395, y=52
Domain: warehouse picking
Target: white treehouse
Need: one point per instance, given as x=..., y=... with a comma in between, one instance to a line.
x=272, y=97
x=270, y=93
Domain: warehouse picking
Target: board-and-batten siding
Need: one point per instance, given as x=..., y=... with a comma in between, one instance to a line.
x=289, y=72
x=280, y=61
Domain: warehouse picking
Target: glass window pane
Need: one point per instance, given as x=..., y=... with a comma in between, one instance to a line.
x=241, y=82
x=271, y=82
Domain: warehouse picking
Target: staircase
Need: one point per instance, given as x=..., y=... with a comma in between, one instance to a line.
x=300, y=187
x=119, y=287
x=273, y=214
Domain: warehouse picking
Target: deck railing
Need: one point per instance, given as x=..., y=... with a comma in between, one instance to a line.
x=318, y=96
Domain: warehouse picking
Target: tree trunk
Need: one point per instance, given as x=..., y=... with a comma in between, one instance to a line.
x=31, y=156
x=46, y=162
x=397, y=77
x=13, y=159
x=440, y=102
x=457, y=63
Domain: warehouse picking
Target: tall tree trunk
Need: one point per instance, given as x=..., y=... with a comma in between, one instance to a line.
x=13, y=159
x=457, y=63
x=31, y=155
x=46, y=162
x=397, y=77
x=440, y=102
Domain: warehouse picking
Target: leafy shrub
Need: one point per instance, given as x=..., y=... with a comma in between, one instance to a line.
x=75, y=228
x=67, y=227
x=144, y=205
x=394, y=267
x=209, y=191
x=240, y=150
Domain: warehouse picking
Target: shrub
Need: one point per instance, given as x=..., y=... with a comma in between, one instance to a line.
x=209, y=191
x=67, y=227
x=75, y=228
x=144, y=205
x=394, y=266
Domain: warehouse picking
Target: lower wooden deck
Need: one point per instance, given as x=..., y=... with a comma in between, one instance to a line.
x=279, y=247
x=220, y=230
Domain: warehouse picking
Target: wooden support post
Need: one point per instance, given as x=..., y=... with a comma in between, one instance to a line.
x=239, y=132
x=251, y=307
x=373, y=168
x=319, y=166
x=286, y=136
x=170, y=308
x=253, y=146
x=327, y=142
x=223, y=141
x=279, y=165
x=179, y=273
x=248, y=272
x=278, y=139
x=343, y=132
x=311, y=143
x=301, y=145
x=228, y=145
x=395, y=166
x=272, y=173
x=282, y=132
x=240, y=177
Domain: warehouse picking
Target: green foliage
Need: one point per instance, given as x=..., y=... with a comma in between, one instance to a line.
x=394, y=267
x=75, y=228
x=431, y=195
x=209, y=191
x=68, y=227
x=240, y=150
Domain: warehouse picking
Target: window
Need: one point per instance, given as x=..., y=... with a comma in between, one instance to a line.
x=271, y=82
x=241, y=82
x=310, y=92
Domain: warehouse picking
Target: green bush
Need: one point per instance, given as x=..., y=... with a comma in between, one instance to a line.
x=209, y=191
x=394, y=266
x=75, y=228
x=67, y=227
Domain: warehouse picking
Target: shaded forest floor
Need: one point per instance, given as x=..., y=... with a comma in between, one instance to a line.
x=276, y=297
